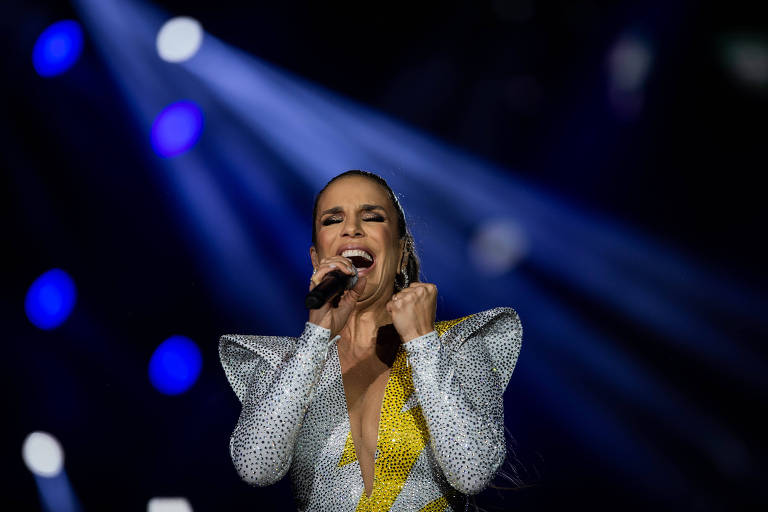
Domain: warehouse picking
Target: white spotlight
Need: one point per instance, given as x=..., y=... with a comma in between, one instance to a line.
x=630, y=63
x=169, y=505
x=497, y=246
x=747, y=59
x=179, y=39
x=42, y=454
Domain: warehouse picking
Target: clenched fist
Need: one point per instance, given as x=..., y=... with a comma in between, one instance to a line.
x=413, y=310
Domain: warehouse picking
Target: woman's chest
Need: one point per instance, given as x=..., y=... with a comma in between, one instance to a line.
x=326, y=465
x=384, y=415
x=364, y=384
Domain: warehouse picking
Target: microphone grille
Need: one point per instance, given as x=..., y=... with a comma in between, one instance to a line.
x=352, y=281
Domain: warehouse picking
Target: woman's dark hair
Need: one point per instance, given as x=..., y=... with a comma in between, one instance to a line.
x=412, y=265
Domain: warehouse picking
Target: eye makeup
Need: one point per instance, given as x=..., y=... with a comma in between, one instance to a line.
x=368, y=215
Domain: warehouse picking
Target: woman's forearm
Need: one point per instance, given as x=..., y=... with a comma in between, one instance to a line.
x=462, y=405
x=263, y=441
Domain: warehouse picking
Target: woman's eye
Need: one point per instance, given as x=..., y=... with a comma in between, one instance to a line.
x=335, y=220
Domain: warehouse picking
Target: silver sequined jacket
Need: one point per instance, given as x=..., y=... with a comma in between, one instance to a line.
x=444, y=390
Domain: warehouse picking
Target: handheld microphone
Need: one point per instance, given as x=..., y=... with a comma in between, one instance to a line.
x=333, y=284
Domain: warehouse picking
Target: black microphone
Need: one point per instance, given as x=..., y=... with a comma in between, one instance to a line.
x=333, y=284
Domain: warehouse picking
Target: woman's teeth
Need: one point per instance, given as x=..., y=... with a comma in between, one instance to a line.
x=359, y=258
x=349, y=253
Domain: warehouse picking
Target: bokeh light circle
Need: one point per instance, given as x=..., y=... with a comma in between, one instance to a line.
x=746, y=57
x=630, y=63
x=50, y=299
x=175, y=365
x=179, y=39
x=497, y=246
x=169, y=505
x=57, y=48
x=42, y=454
x=177, y=128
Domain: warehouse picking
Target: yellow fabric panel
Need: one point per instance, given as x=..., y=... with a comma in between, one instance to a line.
x=402, y=437
x=437, y=505
x=443, y=326
x=348, y=455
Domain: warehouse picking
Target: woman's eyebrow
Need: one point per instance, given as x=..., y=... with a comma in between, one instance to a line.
x=369, y=207
x=335, y=209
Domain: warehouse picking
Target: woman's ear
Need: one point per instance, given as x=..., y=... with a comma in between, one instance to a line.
x=313, y=257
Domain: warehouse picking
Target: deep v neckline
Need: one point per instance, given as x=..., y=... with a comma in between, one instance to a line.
x=378, y=422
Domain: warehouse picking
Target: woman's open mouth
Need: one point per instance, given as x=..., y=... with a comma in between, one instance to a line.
x=361, y=259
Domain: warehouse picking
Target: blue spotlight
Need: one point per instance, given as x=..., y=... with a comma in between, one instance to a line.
x=175, y=365
x=177, y=128
x=50, y=299
x=57, y=48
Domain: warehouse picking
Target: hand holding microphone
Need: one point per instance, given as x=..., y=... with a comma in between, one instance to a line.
x=334, y=276
x=333, y=284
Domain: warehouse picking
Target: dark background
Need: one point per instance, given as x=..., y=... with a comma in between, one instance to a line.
x=521, y=84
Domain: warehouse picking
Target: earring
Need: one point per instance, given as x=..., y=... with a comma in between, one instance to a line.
x=403, y=269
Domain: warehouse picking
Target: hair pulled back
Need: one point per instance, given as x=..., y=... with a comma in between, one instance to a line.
x=412, y=265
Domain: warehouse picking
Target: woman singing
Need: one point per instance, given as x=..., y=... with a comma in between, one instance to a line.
x=375, y=406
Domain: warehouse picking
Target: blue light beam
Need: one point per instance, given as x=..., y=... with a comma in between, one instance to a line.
x=57, y=494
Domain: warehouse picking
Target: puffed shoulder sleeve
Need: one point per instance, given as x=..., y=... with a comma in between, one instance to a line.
x=499, y=331
x=460, y=372
x=248, y=360
x=273, y=377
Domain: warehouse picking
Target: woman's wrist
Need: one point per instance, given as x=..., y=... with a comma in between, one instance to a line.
x=415, y=335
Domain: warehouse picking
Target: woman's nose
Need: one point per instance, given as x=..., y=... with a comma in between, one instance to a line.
x=352, y=228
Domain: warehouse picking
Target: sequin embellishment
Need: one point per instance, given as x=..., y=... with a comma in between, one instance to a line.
x=443, y=326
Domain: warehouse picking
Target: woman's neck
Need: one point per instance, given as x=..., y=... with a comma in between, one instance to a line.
x=360, y=335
